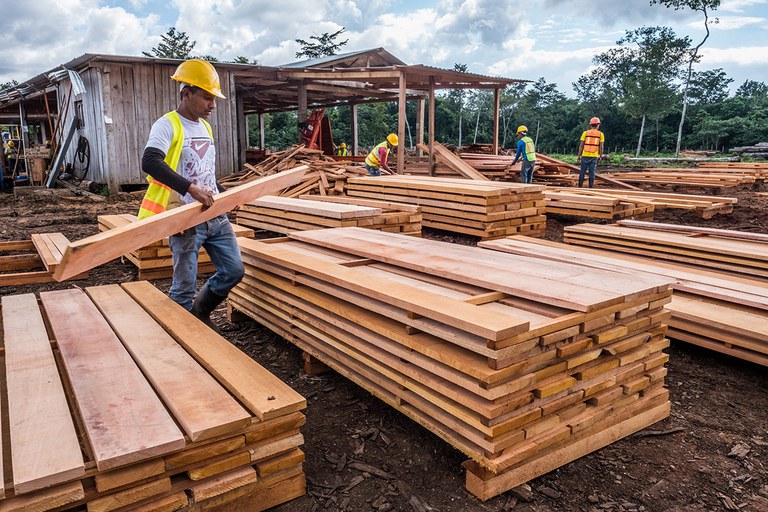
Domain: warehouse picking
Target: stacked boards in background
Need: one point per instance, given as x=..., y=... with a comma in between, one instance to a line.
x=154, y=260
x=485, y=209
x=521, y=366
x=105, y=416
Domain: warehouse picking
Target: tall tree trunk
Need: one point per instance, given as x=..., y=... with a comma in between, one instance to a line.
x=459, y=144
x=640, y=139
x=477, y=125
x=688, y=80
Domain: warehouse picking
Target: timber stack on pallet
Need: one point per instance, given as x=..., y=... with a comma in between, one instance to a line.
x=705, y=207
x=286, y=215
x=747, y=173
x=326, y=175
x=34, y=260
x=675, y=178
x=712, y=309
x=486, y=209
x=188, y=423
x=524, y=367
x=759, y=168
x=551, y=171
x=154, y=260
x=740, y=253
x=572, y=201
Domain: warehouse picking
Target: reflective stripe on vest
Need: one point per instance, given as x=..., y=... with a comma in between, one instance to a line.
x=373, y=157
x=530, y=149
x=158, y=195
x=592, y=142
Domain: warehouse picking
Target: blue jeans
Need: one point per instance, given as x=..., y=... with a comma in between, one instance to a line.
x=373, y=171
x=218, y=238
x=588, y=162
x=526, y=171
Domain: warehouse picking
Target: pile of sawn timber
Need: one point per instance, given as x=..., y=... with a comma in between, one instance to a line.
x=32, y=261
x=523, y=366
x=286, y=215
x=685, y=178
x=151, y=410
x=713, y=309
x=484, y=209
x=154, y=260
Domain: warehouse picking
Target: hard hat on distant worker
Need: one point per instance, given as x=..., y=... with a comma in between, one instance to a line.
x=199, y=73
x=343, y=145
x=594, y=120
x=11, y=144
x=522, y=128
x=392, y=139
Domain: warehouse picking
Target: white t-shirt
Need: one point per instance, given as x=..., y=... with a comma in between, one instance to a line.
x=197, y=162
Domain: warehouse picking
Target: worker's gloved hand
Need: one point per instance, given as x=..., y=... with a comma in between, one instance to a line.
x=578, y=159
x=201, y=195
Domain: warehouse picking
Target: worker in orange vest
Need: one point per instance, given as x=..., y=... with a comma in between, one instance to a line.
x=590, y=151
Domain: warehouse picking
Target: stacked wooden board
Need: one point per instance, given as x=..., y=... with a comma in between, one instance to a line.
x=520, y=365
x=576, y=199
x=592, y=203
x=555, y=172
x=154, y=260
x=32, y=261
x=758, y=169
x=138, y=406
x=712, y=309
x=684, y=178
x=285, y=215
x=484, y=209
x=696, y=246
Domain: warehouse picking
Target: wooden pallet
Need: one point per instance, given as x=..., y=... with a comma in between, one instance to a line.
x=154, y=260
x=510, y=361
x=712, y=309
x=32, y=261
x=83, y=434
x=484, y=209
x=286, y=215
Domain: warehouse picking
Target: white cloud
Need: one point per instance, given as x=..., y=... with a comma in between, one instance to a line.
x=739, y=5
x=733, y=22
x=742, y=56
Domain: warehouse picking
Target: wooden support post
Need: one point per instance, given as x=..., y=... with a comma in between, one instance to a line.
x=262, y=138
x=420, y=126
x=431, y=127
x=353, y=126
x=302, y=108
x=401, y=124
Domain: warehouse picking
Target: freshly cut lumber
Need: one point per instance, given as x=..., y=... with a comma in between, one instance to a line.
x=25, y=261
x=504, y=357
x=44, y=446
x=454, y=161
x=566, y=201
x=98, y=249
x=696, y=230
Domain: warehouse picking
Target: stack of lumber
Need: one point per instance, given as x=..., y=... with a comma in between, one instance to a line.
x=454, y=161
x=741, y=253
x=479, y=208
x=34, y=260
x=757, y=169
x=419, y=166
x=522, y=366
x=326, y=175
x=593, y=203
x=705, y=207
x=759, y=150
x=139, y=407
x=154, y=260
x=712, y=309
x=555, y=172
x=684, y=178
x=286, y=215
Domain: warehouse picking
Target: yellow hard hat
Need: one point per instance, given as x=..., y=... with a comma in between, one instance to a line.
x=342, y=145
x=199, y=73
x=522, y=128
x=11, y=144
x=392, y=139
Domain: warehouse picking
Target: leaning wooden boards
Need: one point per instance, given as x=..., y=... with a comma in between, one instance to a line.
x=130, y=430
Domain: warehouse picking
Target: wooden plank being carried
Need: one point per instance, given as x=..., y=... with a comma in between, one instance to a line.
x=204, y=410
x=454, y=161
x=98, y=249
x=263, y=393
x=44, y=447
x=124, y=419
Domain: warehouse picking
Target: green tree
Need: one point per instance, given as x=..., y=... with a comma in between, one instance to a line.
x=709, y=86
x=8, y=85
x=174, y=45
x=324, y=45
x=702, y=6
x=457, y=98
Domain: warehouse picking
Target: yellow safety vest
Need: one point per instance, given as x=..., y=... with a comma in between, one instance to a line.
x=530, y=149
x=158, y=195
x=373, y=157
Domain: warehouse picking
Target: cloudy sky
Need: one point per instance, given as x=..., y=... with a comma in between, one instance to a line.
x=554, y=39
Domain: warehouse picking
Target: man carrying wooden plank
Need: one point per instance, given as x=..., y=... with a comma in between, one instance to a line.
x=378, y=156
x=180, y=158
x=590, y=151
x=527, y=149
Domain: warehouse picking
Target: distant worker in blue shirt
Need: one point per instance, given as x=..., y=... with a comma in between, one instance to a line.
x=527, y=149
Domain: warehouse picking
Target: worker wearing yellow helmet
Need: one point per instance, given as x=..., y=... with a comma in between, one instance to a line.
x=342, y=150
x=180, y=158
x=377, y=158
x=527, y=150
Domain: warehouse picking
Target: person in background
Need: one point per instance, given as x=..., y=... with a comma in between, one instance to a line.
x=377, y=158
x=342, y=150
x=527, y=149
x=180, y=158
x=590, y=151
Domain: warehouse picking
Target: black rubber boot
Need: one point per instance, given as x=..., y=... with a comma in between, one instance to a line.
x=205, y=302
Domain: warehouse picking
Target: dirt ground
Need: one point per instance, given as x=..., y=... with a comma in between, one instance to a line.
x=711, y=454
